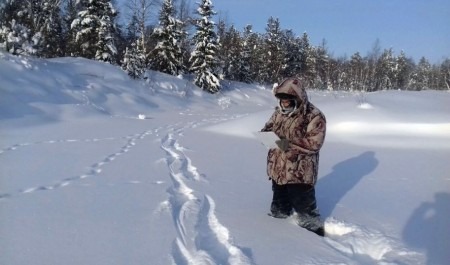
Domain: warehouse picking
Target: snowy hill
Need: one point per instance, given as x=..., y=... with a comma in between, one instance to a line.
x=96, y=168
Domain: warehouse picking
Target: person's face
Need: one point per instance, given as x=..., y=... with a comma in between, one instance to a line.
x=285, y=102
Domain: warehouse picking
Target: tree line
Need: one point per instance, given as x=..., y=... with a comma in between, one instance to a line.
x=171, y=37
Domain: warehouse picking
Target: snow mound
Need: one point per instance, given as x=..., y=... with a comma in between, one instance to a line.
x=365, y=106
x=364, y=244
x=335, y=227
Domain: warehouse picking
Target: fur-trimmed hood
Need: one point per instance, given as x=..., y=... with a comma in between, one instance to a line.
x=293, y=87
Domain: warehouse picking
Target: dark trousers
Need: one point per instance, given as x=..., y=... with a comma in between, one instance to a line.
x=299, y=198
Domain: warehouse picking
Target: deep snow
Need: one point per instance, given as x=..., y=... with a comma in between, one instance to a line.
x=96, y=168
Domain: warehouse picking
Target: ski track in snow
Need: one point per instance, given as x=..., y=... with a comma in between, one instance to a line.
x=201, y=238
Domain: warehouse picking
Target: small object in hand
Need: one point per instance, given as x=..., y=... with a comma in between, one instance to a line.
x=283, y=144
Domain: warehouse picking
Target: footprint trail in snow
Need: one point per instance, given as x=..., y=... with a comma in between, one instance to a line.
x=201, y=238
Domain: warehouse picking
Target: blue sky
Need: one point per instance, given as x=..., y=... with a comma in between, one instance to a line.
x=418, y=27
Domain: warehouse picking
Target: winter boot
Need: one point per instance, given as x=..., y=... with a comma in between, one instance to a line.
x=320, y=231
x=281, y=206
x=311, y=222
x=303, y=200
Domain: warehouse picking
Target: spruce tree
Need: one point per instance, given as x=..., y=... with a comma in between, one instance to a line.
x=183, y=14
x=85, y=27
x=32, y=27
x=356, y=65
x=421, y=77
x=106, y=48
x=384, y=73
x=229, y=51
x=292, y=58
x=242, y=60
x=71, y=9
x=16, y=38
x=16, y=32
x=134, y=61
x=403, y=71
x=254, y=51
x=445, y=74
x=322, y=66
x=94, y=29
x=203, y=60
x=166, y=57
x=274, y=54
x=222, y=49
x=307, y=60
x=50, y=28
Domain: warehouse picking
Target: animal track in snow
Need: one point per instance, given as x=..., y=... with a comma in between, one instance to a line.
x=94, y=170
x=21, y=145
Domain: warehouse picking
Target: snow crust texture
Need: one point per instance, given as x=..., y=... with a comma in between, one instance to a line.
x=96, y=168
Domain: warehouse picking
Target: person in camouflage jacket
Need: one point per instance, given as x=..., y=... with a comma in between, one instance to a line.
x=293, y=166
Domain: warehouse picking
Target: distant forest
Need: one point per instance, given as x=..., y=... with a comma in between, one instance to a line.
x=174, y=37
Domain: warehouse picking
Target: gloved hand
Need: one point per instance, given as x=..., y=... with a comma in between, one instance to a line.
x=283, y=144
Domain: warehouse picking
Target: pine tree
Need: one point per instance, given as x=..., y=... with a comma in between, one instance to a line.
x=166, y=57
x=203, y=59
x=292, y=59
x=32, y=27
x=273, y=52
x=120, y=42
x=245, y=66
x=403, y=71
x=356, y=73
x=85, y=27
x=322, y=66
x=385, y=70
x=230, y=49
x=106, y=48
x=134, y=61
x=71, y=9
x=94, y=27
x=16, y=34
x=241, y=60
x=50, y=28
x=421, y=77
x=16, y=38
x=307, y=60
x=253, y=47
x=222, y=49
x=183, y=14
x=445, y=74
x=4, y=30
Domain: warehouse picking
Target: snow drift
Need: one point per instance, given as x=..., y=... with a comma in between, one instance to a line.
x=100, y=169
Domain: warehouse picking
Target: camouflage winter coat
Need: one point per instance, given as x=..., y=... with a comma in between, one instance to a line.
x=305, y=129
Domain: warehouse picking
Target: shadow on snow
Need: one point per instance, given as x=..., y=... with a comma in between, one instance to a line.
x=342, y=179
x=428, y=228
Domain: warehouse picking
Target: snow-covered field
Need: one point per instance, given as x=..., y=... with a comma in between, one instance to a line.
x=97, y=169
